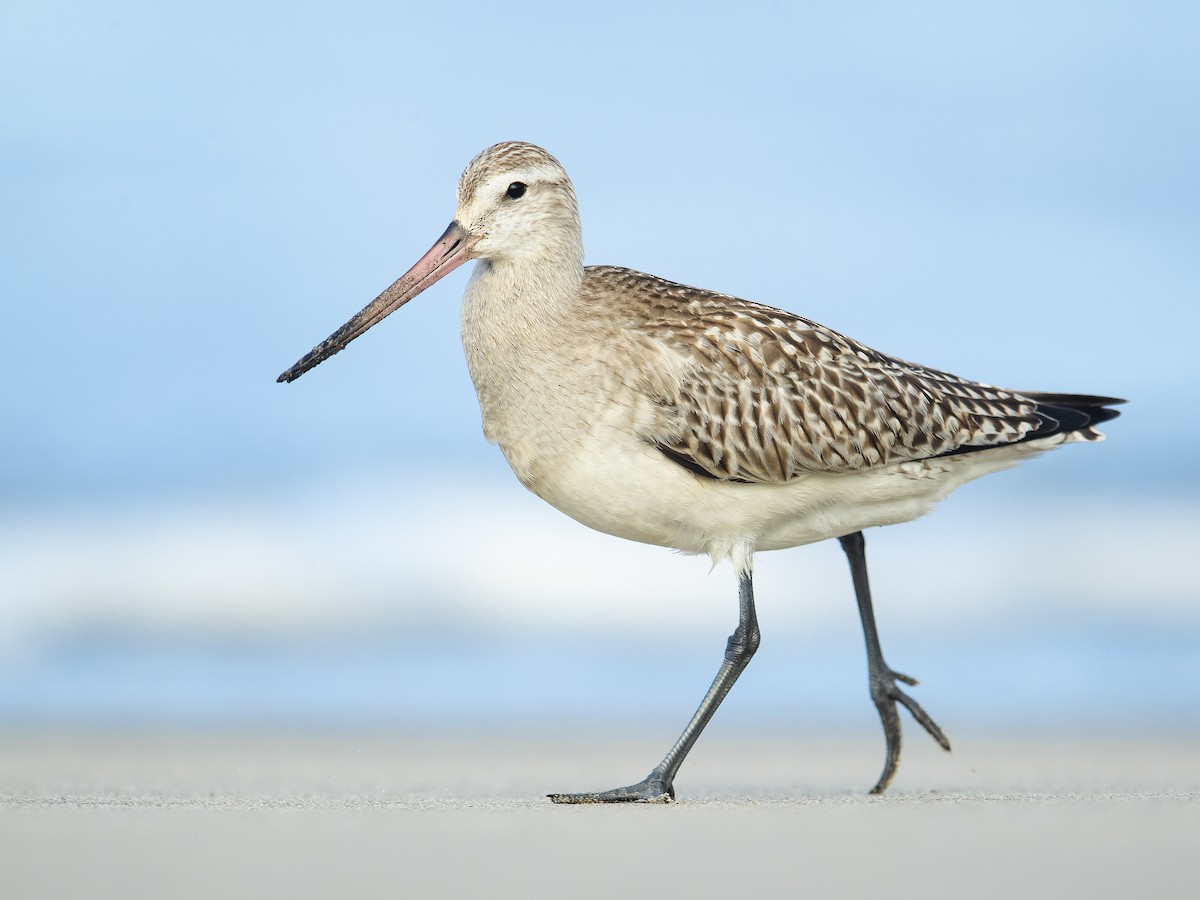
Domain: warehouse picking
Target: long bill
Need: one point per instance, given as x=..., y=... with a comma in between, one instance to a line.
x=450, y=251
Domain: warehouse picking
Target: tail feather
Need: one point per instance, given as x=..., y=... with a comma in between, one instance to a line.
x=1073, y=415
x=1066, y=413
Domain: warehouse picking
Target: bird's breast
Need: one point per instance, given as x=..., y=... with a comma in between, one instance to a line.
x=537, y=389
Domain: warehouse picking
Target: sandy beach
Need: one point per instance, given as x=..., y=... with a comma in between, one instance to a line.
x=210, y=815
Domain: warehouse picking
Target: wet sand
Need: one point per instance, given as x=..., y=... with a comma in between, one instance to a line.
x=349, y=815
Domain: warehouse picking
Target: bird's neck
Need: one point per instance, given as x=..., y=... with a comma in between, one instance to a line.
x=506, y=300
x=520, y=332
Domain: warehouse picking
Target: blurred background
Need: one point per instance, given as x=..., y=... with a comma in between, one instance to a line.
x=193, y=194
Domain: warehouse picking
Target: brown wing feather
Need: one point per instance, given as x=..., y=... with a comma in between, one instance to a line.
x=764, y=395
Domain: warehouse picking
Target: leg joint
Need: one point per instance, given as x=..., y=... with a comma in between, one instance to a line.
x=742, y=644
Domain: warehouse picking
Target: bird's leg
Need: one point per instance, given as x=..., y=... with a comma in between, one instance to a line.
x=658, y=786
x=883, y=680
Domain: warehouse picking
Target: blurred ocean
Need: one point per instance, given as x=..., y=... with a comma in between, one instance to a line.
x=381, y=605
x=1054, y=675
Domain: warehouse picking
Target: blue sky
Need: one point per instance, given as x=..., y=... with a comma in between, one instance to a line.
x=196, y=193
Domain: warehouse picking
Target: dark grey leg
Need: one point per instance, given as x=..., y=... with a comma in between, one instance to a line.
x=884, y=691
x=659, y=785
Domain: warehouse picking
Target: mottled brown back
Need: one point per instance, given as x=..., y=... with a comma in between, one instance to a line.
x=766, y=395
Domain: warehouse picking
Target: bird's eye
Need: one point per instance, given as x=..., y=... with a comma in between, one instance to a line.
x=515, y=191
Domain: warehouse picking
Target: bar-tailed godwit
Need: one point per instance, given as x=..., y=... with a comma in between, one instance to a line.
x=680, y=417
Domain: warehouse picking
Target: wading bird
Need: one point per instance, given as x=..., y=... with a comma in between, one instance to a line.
x=680, y=417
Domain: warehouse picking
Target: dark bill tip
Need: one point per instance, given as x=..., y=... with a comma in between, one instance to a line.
x=449, y=252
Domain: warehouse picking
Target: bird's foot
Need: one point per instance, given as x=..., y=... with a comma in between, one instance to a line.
x=886, y=694
x=651, y=789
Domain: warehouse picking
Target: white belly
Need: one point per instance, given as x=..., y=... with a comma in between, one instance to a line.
x=619, y=485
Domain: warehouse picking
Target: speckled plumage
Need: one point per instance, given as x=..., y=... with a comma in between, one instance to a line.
x=767, y=396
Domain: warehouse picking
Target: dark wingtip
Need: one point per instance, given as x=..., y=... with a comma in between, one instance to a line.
x=1071, y=412
x=1059, y=414
x=1096, y=409
x=1103, y=414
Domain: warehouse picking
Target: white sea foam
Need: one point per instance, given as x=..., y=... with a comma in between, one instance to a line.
x=346, y=554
